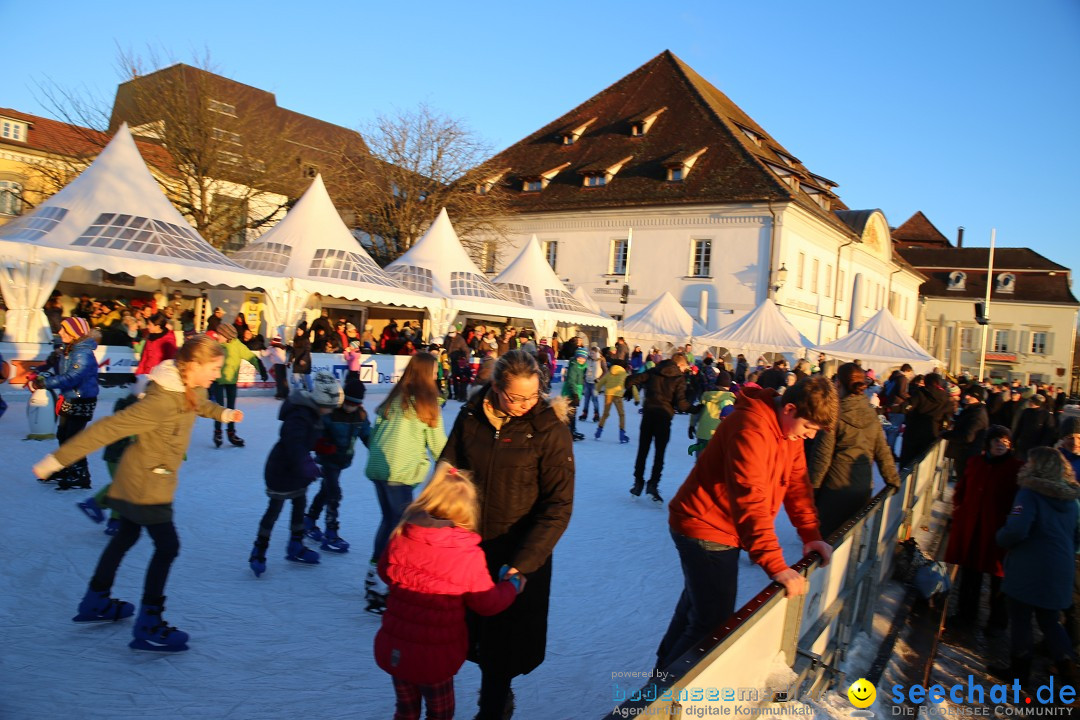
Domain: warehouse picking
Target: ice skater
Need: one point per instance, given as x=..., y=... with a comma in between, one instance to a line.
x=145, y=483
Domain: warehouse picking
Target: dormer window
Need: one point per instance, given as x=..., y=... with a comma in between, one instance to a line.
x=484, y=186
x=817, y=195
x=12, y=130
x=957, y=280
x=600, y=174
x=786, y=176
x=533, y=186
x=571, y=135
x=536, y=183
x=787, y=159
x=595, y=180
x=640, y=124
x=753, y=136
x=1005, y=283
x=679, y=167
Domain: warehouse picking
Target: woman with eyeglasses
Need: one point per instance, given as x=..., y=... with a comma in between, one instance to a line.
x=409, y=433
x=516, y=444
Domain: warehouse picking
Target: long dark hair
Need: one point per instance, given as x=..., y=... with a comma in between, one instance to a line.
x=416, y=389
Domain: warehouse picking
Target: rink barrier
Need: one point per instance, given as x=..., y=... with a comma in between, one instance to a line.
x=813, y=633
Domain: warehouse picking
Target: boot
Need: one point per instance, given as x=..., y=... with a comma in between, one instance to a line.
x=153, y=633
x=93, y=511
x=654, y=493
x=217, y=438
x=636, y=489
x=332, y=542
x=298, y=553
x=579, y=436
x=97, y=606
x=73, y=485
x=112, y=527
x=595, y=416
x=236, y=439
x=623, y=437
x=375, y=591
x=311, y=529
x=584, y=416
x=257, y=560
x=599, y=432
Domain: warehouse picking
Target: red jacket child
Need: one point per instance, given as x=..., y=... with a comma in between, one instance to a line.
x=434, y=569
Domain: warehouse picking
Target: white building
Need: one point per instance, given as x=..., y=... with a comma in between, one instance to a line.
x=660, y=183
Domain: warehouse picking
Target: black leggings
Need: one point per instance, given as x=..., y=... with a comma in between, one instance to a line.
x=224, y=395
x=273, y=510
x=68, y=427
x=494, y=693
x=166, y=548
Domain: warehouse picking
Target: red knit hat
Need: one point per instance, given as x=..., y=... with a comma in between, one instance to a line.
x=77, y=327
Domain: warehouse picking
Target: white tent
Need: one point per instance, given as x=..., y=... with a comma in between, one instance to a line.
x=437, y=266
x=313, y=251
x=583, y=298
x=881, y=341
x=112, y=217
x=764, y=329
x=529, y=280
x=663, y=320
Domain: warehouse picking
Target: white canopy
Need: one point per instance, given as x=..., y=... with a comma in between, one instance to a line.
x=761, y=330
x=112, y=217
x=583, y=297
x=314, y=249
x=663, y=320
x=881, y=340
x=530, y=281
x=437, y=266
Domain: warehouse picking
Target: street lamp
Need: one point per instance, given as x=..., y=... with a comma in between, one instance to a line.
x=780, y=278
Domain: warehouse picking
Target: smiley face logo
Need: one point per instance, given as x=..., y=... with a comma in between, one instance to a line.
x=862, y=693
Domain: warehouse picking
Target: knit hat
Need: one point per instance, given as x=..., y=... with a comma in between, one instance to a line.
x=276, y=340
x=976, y=392
x=225, y=332
x=1070, y=425
x=354, y=391
x=326, y=392
x=76, y=326
x=995, y=432
x=543, y=341
x=581, y=353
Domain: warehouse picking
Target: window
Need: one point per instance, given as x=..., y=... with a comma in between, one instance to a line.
x=569, y=137
x=222, y=107
x=676, y=174
x=957, y=280
x=10, y=198
x=840, y=287
x=640, y=125
x=551, y=252
x=310, y=171
x=967, y=338
x=1038, y=343
x=533, y=186
x=12, y=130
x=680, y=166
x=1001, y=341
x=800, y=270
x=230, y=157
x=702, y=260
x=617, y=262
x=1006, y=283
x=596, y=180
x=637, y=129
x=828, y=280
x=226, y=136
x=814, y=277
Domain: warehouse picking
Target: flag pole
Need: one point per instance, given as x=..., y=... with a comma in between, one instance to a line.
x=986, y=306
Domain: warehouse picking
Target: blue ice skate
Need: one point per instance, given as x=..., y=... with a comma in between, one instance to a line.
x=257, y=561
x=92, y=510
x=152, y=633
x=332, y=542
x=311, y=530
x=298, y=553
x=97, y=606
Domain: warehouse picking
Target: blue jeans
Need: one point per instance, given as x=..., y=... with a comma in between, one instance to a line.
x=393, y=499
x=893, y=432
x=590, y=394
x=711, y=579
x=302, y=381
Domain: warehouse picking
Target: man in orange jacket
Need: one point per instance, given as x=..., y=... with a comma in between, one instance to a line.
x=729, y=502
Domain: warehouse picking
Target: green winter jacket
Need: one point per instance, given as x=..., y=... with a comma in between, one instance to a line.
x=611, y=382
x=574, y=384
x=399, y=447
x=235, y=352
x=713, y=403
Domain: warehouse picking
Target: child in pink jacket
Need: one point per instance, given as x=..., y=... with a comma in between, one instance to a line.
x=434, y=567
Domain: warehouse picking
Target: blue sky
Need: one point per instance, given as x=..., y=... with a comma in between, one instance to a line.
x=968, y=110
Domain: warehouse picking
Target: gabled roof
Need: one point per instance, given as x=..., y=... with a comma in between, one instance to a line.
x=918, y=231
x=978, y=258
x=1039, y=280
x=697, y=115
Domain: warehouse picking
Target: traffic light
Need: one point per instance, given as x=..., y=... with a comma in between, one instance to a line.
x=980, y=313
x=625, y=295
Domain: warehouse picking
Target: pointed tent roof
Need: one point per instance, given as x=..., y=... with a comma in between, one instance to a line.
x=529, y=280
x=918, y=231
x=763, y=329
x=741, y=161
x=880, y=340
x=438, y=266
x=114, y=217
x=312, y=244
x=662, y=319
x=583, y=297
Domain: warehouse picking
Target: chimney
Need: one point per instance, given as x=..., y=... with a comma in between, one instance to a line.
x=960, y=236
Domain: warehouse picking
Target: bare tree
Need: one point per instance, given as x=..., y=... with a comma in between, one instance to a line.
x=421, y=161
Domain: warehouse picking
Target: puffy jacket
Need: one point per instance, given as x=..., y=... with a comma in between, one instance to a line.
x=746, y=472
x=235, y=353
x=611, y=382
x=145, y=482
x=844, y=456
x=981, y=503
x=340, y=432
x=708, y=419
x=156, y=350
x=524, y=473
x=399, y=447
x=595, y=366
x=665, y=388
x=289, y=466
x=434, y=571
x=574, y=384
x=78, y=376
x=1041, y=536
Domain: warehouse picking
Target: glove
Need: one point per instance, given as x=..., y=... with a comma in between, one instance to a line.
x=518, y=581
x=265, y=376
x=312, y=471
x=690, y=432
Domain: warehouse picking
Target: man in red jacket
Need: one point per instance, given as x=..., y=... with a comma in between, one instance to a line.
x=729, y=502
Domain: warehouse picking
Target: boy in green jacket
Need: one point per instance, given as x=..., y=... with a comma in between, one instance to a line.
x=574, y=386
x=223, y=391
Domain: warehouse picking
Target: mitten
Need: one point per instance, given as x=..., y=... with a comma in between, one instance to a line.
x=312, y=471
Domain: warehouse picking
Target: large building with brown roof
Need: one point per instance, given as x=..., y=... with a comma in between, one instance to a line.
x=714, y=205
x=1033, y=311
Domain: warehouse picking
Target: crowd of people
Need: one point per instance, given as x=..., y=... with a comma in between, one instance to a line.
x=472, y=553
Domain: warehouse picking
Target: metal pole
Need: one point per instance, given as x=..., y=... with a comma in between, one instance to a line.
x=986, y=307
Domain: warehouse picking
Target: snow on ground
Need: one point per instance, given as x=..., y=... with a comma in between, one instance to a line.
x=297, y=642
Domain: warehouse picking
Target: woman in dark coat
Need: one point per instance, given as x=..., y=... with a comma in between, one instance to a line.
x=301, y=357
x=969, y=430
x=517, y=446
x=927, y=410
x=842, y=463
x=981, y=502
